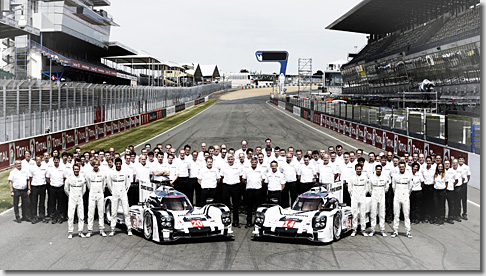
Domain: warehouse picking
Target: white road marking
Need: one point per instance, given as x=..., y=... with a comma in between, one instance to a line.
x=474, y=203
x=330, y=136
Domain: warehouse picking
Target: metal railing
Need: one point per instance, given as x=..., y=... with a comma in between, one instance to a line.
x=31, y=108
x=446, y=129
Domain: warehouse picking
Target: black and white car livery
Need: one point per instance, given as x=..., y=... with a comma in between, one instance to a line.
x=316, y=215
x=167, y=215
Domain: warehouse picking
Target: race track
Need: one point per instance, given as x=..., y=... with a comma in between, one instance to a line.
x=46, y=247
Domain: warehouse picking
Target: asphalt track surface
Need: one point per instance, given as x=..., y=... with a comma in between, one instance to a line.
x=46, y=247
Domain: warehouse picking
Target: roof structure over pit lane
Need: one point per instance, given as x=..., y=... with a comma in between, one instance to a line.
x=387, y=16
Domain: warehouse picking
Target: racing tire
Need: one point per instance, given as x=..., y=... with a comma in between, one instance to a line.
x=148, y=227
x=108, y=212
x=337, y=227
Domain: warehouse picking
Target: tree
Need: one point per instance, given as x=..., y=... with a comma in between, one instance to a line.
x=244, y=71
x=318, y=73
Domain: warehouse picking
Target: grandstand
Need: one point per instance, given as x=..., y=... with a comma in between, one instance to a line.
x=409, y=41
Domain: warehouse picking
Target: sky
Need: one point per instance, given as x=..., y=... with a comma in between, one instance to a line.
x=228, y=33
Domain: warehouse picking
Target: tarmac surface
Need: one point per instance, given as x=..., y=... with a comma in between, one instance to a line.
x=46, y=247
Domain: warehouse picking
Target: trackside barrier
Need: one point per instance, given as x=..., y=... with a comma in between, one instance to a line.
x=386, y=140
x=71, y=138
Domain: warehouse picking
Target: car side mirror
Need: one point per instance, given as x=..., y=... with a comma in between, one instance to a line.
x=209, y=200
x=163, y=206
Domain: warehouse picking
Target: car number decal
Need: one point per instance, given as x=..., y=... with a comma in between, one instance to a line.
x=289, y=223
x=197, y=223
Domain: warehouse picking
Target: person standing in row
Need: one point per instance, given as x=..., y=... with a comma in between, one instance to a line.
x=440, y=186
x=75, y=187
x=118, y=183
x=96, y=182
x=208, y=179
x=416, y=199
x=231, y=177
x=452, y=180
x=275, y=182
x=466, y=176
x=253, y=179
x=55, y=178
x=378, y=186
x=358, y=187
x=402, y=187
x=19, y=183
x=37, y=176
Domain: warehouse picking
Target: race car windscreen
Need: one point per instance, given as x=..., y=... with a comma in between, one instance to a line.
x=176, y=203
x=307, y=204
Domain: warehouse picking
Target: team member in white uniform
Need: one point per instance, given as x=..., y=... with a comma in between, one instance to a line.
x=208, y=179
x=466, y=176
x=57, y=204
x=336, y=163
x=440, y=186
x=253, y=179
x=160, y=172
x=416, y=198
x=96, y=181
x=275, y=182
x=452, y=180
x=19, y=183
x=347, y=172
x=289, y=169
x=378, y=186
x=231, y=177
x=75, y=187
x=358, y=187
x=28, y=161
x=244, y=148
x=402, y=187
x=326, y=172
x=183, y=171
x=118, y=183
x=457, y=190
x=37, y=176
x=428, y=190
x=306, y=174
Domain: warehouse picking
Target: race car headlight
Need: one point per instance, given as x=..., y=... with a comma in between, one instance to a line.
x=168, y=224
x=163, y=219
x=225, y=218
x=259, y=218
x=320, y=222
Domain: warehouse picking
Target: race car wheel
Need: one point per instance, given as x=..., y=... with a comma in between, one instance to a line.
x=337, y=227
x=108, y=211
x=148, y=227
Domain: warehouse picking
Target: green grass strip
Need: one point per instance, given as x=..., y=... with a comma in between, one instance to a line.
x=118, y=141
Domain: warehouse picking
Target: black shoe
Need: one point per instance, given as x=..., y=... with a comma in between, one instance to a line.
x=426, y=220
x=464, y=216
x=34, y=220
x=24, y=219
x=249, y=225
x=44, y=220
x=236, y=224
x=60, y=221
x=457, y=218
x=54, y=220
x=450, y=221
x=18, y=220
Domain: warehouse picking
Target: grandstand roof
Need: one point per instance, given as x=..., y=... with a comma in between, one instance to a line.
x=116, y=48
x=386, y=16
x=142, y=60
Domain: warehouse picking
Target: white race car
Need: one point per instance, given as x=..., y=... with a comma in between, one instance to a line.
x=167, y=215
x=316, y=215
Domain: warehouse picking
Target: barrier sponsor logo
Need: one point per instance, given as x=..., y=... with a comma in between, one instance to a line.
x=40, y=145
x=56, y=140
x=4, y=160
x=76, y=137
x=70, y=139
x=63, y=141
x=49, y=143
x=32, y=146
x=21, y=147
x=170, y=110
x=11, y=153
x=296, y=110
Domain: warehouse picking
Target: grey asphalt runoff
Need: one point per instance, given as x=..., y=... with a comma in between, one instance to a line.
x=46, y=247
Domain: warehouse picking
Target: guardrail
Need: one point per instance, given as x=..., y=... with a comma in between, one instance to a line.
x=32, y=108
x=71, y=138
